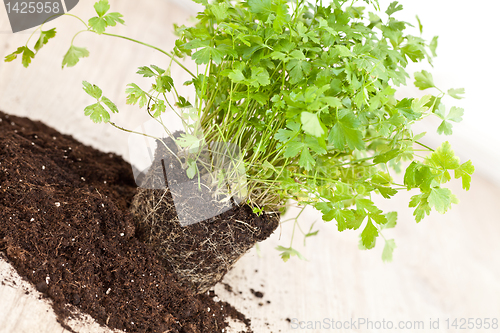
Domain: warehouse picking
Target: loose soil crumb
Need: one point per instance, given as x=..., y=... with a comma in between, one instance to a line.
x=258, y=294
x=66, y=228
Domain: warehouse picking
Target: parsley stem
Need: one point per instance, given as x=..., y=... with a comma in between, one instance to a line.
x=150, y=136
x=424, y=146
x=78, y=18
x=153, y=47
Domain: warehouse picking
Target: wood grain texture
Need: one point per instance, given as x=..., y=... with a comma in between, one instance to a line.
x=448, y=266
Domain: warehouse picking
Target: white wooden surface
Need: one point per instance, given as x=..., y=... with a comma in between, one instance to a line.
x=448, y=266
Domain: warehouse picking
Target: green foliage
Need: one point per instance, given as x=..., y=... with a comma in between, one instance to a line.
x=96, y=111
x=287, y=252
x=307, y=93
x=73, y=56
x=100, y=22
x=44, y=38
x=27, y=55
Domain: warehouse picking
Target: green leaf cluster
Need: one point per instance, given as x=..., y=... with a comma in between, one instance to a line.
x=97, y=112
x=104, y=19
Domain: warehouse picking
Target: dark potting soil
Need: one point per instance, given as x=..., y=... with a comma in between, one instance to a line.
x=65, y=226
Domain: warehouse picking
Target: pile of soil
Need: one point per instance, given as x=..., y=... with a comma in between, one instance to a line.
x=65, y=226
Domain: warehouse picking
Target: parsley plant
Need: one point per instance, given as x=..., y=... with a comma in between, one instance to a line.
x=306, y=91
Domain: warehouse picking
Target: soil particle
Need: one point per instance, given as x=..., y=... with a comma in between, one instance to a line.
x=80, y=236
x=258, y=294
x=228, y=287
x=42, y=287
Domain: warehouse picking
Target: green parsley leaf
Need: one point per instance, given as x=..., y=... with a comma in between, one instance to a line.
x=422, y=206
x=424, y=80
x=418, y=175
x=74, y=55
x=420, y=27
x=386, y=157
x=420, y=105
x=441, y=199
x=145, y=71
x=98, y=24
x=393, y=7
x=444, y=157
x=311, y=124
x=298, y=69
x=465, y=172
x=44, y=38
x=136, y=94
x=392, y=218
x=103, y=20
x=27, y=55
x=389, y=247
x=433, y=46
x=287, y=252
x=346, y=131
x=306, y=160
x=112, y=106
x=113, y=18
x=236, y=75
x=260, y=6
x=97, y=113
x=192, y=169
x=343, y=218
x=101, y=7
x=92, y=90
x=164, y=83
x=158, y=108
x=455, y=115
x=369, y=235
x=293, y=148
x=456, y=92
x=260, y=77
